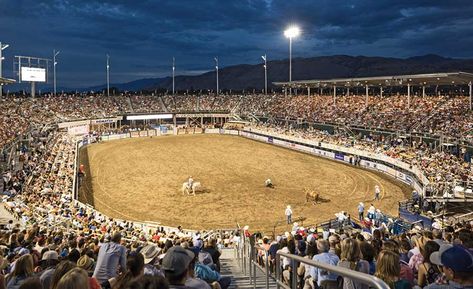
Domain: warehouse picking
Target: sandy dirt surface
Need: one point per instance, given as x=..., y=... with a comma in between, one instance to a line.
x=140, y=179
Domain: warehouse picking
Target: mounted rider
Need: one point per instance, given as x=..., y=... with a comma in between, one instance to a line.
x=190, y=182
x=268, y=183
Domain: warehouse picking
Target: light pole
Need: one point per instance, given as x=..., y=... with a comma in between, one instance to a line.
x=173, y=70
x=291, y=32
x=2, y=47
x=216, y=70
x=108, y=75
x=265, y=75
x=55, y=53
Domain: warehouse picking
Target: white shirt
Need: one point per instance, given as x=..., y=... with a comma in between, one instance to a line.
x=372, y=209
x=288, y=212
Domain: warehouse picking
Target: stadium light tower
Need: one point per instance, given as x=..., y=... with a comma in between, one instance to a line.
x=108, y=75
x=216, y=70
x=2, y=47
x=265, y=75
x=173, y=71
x=291, y=32
x=55, y=53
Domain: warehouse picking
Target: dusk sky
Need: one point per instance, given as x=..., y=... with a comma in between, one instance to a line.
x=142, y=36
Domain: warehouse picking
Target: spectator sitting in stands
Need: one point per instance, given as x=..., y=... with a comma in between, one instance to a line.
x=350, y=258
x=49, y=261
x=457, y=265
x=134, y=268
x=324, y=256
x=150, y=253
x=111, y=256
x=388, y=269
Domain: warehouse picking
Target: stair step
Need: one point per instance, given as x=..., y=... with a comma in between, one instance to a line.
x=231, y=267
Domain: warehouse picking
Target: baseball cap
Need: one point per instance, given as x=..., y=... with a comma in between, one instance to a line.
x=455, y=257
x=177, y=260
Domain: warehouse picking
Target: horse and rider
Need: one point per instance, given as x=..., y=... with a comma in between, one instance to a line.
x=190, y=186
x=269, y=184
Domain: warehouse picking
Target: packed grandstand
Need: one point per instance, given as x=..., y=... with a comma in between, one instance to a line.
x=57, y=241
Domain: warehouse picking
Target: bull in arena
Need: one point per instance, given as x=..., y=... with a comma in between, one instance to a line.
x=312, y=196
x=196, y=186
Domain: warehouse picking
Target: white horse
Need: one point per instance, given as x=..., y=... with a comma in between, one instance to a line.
x=195, y=187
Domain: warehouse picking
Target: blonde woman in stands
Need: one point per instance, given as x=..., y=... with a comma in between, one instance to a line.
x=77, y=278
x=388, y=269
x=23, y=270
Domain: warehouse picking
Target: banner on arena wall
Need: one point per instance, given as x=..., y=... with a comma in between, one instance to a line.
x=339, y=156
x=149, y=116
x=180, y=115
x=270, y=139
x=105, y=120
x=73, y=123
x=78, y=130
x=135, y=134
x=409, y=179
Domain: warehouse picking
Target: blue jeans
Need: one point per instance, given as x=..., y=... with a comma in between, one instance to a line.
x=224, y=282
x=289, y=219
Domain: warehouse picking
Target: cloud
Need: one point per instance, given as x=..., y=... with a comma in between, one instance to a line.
x=142, y=36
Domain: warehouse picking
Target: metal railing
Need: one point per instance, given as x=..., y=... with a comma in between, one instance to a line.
x=248, y=257
x=341, y=271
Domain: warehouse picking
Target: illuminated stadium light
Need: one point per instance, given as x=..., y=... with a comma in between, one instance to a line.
x=55, y=53
x=292, y=31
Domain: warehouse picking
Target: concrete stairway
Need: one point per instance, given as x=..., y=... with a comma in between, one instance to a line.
x=163, y=106
x=230, y=267
x=130, y=105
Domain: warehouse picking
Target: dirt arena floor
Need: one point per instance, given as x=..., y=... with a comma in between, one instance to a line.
x=140, y=179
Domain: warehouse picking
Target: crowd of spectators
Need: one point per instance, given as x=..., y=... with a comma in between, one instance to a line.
x=438, y=115
x=433, y=259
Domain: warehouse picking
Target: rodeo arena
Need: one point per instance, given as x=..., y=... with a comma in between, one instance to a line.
x=350, y=183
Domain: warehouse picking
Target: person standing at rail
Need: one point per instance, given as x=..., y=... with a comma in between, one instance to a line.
x=288, y=214
x=377, y=193
x=361, y=211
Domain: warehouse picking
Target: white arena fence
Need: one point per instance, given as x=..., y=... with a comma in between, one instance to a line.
x=402, y=171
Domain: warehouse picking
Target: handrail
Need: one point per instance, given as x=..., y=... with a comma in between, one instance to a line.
x=344, y=272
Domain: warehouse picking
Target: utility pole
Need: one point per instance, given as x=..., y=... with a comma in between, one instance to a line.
x=2, y=47
x=108, y=75
x=173, y=73
x=216, y=70
x=55, y=53
x=265, y=75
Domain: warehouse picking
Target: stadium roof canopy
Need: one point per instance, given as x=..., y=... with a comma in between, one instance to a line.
x=448, y=78
x=6, y=81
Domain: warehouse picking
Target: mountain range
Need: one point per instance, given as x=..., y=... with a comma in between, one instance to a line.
x=248, y=77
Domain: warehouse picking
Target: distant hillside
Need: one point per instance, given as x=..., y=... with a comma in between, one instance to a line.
x=340, y=66
x=246, y=76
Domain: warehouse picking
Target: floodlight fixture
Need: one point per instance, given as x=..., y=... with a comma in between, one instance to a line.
x=292, y=31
